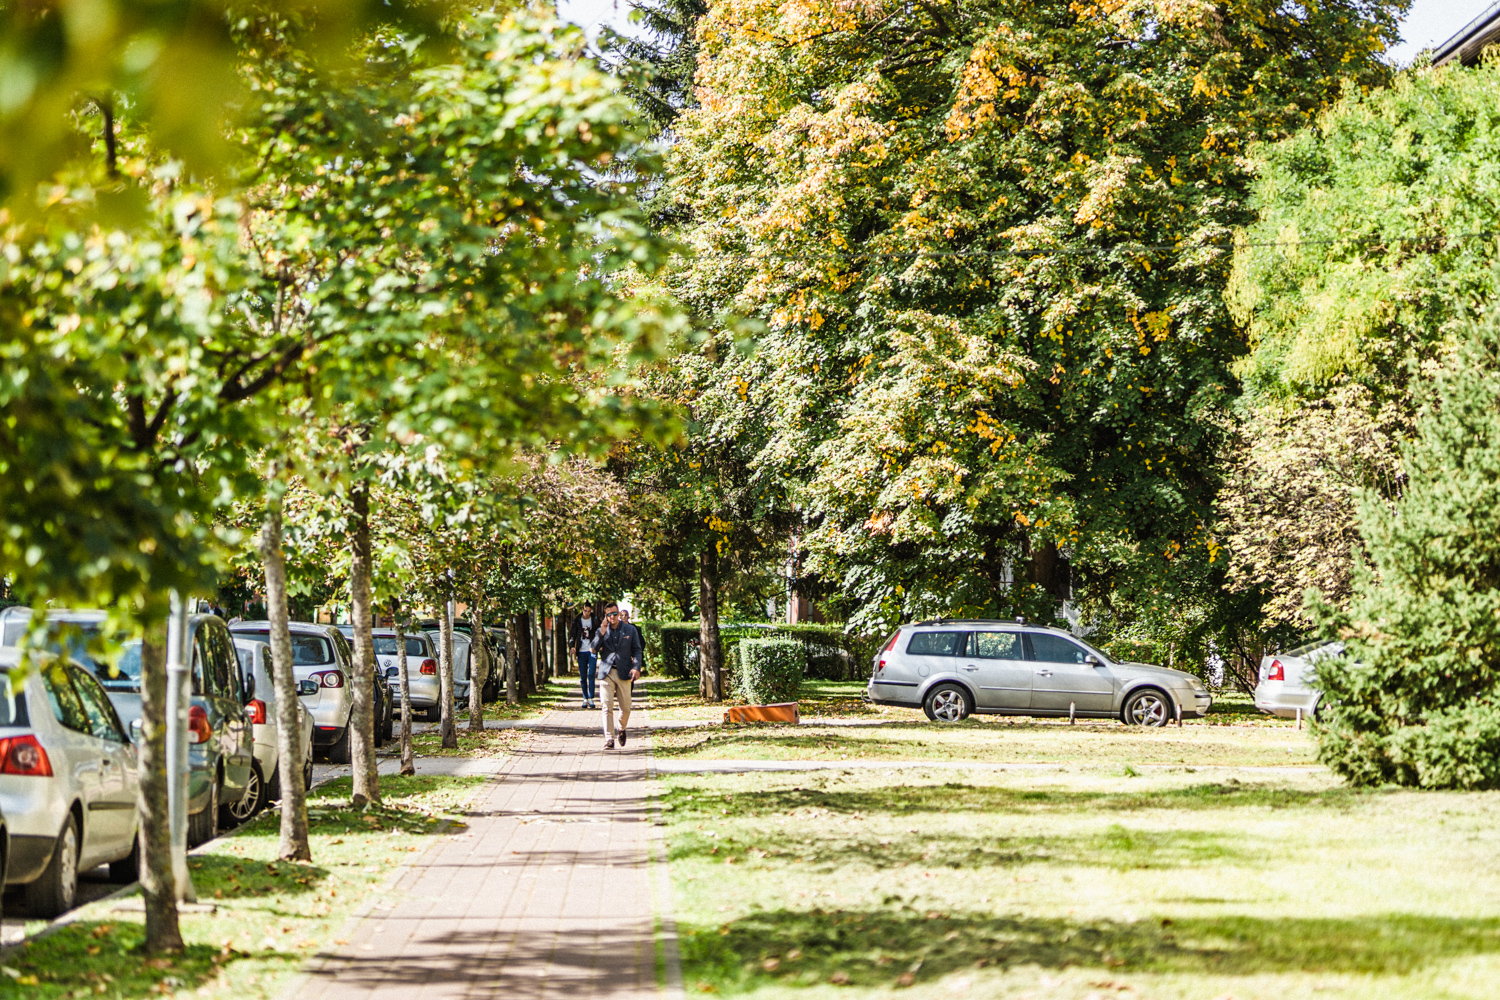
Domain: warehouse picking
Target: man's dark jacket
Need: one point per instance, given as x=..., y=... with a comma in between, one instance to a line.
x=623, y=643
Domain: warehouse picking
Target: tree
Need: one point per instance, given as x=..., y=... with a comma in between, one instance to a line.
x=1413, y=698
x=988, y=246
x=1365, y=264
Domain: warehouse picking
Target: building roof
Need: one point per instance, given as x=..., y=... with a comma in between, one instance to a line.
x=1466, y=46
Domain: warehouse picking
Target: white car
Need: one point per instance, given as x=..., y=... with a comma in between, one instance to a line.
x=68, y=782
x=265, y=782
x=421, y=669
x=1285, y=686
x=317, y=655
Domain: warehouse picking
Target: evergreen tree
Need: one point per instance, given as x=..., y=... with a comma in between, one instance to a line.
x=665, y=62
x=1413, y=698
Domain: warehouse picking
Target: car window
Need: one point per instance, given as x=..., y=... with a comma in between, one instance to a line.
x=1055, y=649
x=936, y=644
x=67, y=707
x=103, y=722
x=345, y=653
x=996, y=645
x=311, y=651
x=385, y=645
x=12, y=708
x=227, y=667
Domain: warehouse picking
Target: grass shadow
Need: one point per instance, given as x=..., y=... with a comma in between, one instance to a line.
x=900, y=945
x=104, y=957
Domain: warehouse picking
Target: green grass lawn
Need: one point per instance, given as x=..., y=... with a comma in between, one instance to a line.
x=271, y=917
x=1081, y=885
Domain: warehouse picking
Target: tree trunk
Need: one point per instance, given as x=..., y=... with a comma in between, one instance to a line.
x=710, y=655
x=525, y=676
x=362, y=719
x=512, y=688
x=295, y=844
x=479, y=664
x=445, y=686
x=565, y=663
x=408, y=765
x=538, y=652
x=163, y=935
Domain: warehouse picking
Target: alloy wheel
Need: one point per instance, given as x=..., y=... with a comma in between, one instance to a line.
x=948, y=706
x=250, y=801
x=68, y=866
x=1148, y=709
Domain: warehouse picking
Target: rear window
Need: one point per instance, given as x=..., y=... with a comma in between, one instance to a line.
x=936, y=644
x=307, y=650
x=385, y=645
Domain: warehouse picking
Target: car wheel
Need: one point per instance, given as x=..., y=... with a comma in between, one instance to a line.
x=338, y=751
x=250, y=803
x=203, y=825
x=1148, y=707
x=128, y=868
x=435, y=713
x=388, y=727
x=947, y=703
x=53, y=893
x=307, y=776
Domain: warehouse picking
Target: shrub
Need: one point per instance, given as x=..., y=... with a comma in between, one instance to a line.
x=770, y=670
x=1410, y=699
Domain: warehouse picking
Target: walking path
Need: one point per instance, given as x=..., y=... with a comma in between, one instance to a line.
x=557, y=888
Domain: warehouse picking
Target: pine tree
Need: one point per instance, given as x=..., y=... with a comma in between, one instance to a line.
x=665, y=61
x=1413, y=698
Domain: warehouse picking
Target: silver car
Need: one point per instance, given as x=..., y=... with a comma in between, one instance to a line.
x=953, y=669
x=1285, y=685
x=68, y=782
x=265, y=781
x=318, y=654
x=421, y=669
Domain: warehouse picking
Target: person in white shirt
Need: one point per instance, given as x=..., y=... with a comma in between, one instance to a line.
x=581, y=640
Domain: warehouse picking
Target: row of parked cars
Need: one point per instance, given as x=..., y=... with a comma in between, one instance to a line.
x=68, y=729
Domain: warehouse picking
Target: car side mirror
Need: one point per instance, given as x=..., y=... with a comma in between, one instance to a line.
x=307, y=687
x=1093, y=660
x=135, y=730
x=249, y=687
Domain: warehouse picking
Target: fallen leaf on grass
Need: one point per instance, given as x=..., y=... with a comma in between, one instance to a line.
x=905, y=979
x=839, y=978
x=771, y=964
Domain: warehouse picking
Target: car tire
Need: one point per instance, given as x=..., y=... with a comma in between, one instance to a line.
x=338, y=751
x=434, y=713
x=128, y=868
x=307, y=776
x=388, y=727
x=250, y=803
x=947, y=703
x=1148, y=707
x=203, y=825
x=53, y=893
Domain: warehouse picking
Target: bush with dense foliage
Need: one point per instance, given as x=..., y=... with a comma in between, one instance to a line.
x=1411, y=700
x=769, y=671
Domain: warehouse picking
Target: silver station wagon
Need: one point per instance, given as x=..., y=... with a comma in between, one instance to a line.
x=953, y=669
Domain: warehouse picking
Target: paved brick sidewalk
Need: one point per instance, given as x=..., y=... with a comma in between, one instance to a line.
x=549, y=893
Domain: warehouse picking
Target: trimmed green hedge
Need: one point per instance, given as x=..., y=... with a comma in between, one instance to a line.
x=769, y=671
x=832, y=654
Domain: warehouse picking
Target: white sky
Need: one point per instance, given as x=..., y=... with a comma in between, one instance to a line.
x=1428, y=23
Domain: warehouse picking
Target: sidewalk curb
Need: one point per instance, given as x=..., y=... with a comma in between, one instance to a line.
x=668, y=953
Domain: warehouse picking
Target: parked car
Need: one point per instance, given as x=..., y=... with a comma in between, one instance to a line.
x=68, y=781
x=953, y=669
x=319, y=654
x=385, y=705
x=220, y=748
x=1285, y=685
x=421, y=669
x=265, y=784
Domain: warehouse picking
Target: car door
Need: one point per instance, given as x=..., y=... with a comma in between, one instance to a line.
x=936, y=654
x=80, y=755
x=237, y=738
x=111, y=816
x=1061, y=676
x=997, y=663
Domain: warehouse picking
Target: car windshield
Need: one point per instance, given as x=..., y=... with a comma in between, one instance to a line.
x=122, y=673
x=12, y=712
x=385, y=645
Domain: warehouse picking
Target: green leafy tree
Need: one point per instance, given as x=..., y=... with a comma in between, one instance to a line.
x=988, y=244
x=1413, y=698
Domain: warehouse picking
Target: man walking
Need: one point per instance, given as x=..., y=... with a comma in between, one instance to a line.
x=581, y=633
x=640, y=640
x=619, y=650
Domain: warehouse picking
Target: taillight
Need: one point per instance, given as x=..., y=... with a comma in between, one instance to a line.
x=23, y=755
x=257, y=710
x=1277, y=672
x=888, y=647
x=329, y=678
x=429, y=667
x=199, y=730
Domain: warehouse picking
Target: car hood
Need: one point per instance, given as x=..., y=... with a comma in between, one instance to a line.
x=1152, y=670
